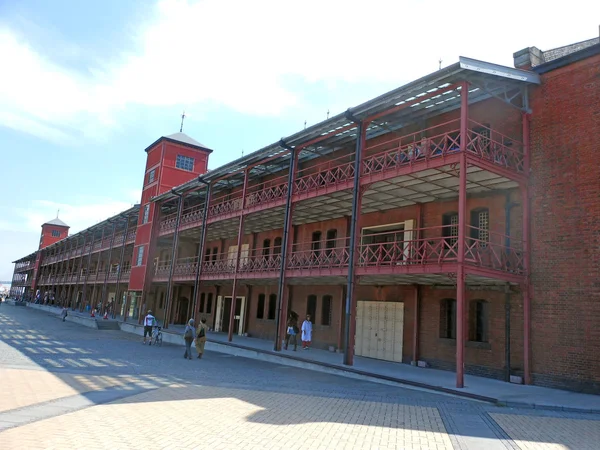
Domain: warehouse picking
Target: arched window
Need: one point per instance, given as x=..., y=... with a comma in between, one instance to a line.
x=316, y=241
x=260, y=307
x=277, y=246
x=326, y=310
x=331, y=236
x=479, y=321
x=480, y=225
x=202, y=301
x=272, y=306
x=450, y=228
x=209, y=303
x=266, y=251
x=448, y=318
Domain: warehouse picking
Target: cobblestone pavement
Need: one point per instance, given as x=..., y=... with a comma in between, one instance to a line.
x=65, y=386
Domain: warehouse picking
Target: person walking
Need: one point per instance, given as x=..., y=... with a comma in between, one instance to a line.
x=201, y=337
x=306, y=333
x=188, y=337
x=148, y=323
x=292, y=331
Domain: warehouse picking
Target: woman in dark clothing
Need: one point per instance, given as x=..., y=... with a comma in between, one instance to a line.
x=292, y=330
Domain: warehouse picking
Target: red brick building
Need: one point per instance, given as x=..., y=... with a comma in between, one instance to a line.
x=451, y=222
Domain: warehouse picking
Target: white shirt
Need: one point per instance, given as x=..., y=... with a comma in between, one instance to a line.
x=149, y=320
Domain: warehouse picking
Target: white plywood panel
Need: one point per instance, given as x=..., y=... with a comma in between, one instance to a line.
x=359, y=338
x=379, y=330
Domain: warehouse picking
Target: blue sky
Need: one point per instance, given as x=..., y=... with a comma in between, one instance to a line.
x=86, y=86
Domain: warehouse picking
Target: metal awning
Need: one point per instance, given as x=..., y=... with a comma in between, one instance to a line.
x=486, y=80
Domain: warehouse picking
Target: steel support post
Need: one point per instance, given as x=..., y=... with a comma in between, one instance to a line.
x=237, y=259
x=87, y=271
x=201, y=250
x=526, y=250
x=461, y=241
x=107, y=271
x=350, y=323
x=173, y=258
x=286, y=243
x=120, y=268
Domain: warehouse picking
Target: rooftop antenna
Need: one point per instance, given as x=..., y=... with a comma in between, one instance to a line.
x=182, y=117
x=242, y=153
x=440, y=61
x=328, y=113
x=305, y=124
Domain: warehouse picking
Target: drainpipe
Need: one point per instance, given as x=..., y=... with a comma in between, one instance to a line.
x=173, y=256
x=284, y=244
x=507, y=208
x=201, y=250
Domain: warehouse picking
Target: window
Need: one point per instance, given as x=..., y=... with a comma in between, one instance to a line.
x=480, y=223
x=311, y=307
x=151, y=176
x=316, y=241
x=260, y=307
x=215, y=253
x=277, y=246
x=146, y=213
x=202, y=301
x=266, y=251
x=140, y=256
x=448, y=318
x=162, y=299
x=55, y=233
x=450, y=228
x=330, y=242
x=207, y=255
x=209, y=303
x=272, y=306
x=326, y=302
x=185, y=163
x=478, y=320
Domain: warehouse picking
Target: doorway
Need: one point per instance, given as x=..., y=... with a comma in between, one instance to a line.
x=379, y=330
x=224, y=311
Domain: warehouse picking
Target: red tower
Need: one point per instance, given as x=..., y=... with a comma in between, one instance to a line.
x=171, y=161
x=53, y=231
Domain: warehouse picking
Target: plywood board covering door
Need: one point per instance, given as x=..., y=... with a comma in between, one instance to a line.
x=379, y=330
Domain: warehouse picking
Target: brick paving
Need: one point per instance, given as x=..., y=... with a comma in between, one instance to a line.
x=66, y=386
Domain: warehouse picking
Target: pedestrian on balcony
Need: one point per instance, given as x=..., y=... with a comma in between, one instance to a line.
x=292, y=330
x=201, y=337
x=188, y=336
x=306, y=333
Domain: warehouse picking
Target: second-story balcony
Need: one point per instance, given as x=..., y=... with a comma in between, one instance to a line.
x=400, y=255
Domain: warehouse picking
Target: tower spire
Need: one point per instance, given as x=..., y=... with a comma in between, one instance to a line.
x=182, y=118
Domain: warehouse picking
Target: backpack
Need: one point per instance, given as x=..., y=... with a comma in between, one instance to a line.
x=189, y=334
x=202, y=333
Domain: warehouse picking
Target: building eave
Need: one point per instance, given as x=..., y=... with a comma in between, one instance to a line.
x=567, y=60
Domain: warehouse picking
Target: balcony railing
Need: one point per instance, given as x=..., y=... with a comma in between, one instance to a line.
x=267, y=192
x=384, y=253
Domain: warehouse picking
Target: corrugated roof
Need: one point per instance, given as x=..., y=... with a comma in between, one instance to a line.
x=181, y=138
x=57, y=222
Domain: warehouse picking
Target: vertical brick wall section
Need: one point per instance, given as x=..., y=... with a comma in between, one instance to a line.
x=565, y=191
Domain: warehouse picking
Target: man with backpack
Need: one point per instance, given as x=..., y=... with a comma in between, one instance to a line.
x=149, y=321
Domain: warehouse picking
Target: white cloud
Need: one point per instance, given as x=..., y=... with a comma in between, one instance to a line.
x=243, y=55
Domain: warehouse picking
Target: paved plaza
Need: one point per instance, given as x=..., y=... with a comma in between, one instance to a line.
x=67, y=386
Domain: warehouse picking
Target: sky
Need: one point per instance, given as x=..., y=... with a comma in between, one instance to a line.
x=85, y=87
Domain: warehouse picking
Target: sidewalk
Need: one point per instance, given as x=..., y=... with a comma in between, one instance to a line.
x=479, y=388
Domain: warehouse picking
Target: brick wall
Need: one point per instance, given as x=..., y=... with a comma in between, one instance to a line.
x=565, y=192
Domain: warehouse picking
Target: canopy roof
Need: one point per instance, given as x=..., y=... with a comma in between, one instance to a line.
x=486, y=80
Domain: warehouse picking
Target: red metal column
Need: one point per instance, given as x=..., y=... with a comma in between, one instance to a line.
x=287, y=244
x=201, y=251
x=237, y=260
x=107, y=271
x=350, y=322
x=119, y=297
x=340, y=340
x=87, y=271
x=169, y=293
x=417, y=306
x=526, y=256
x=462, y=228
x=80, y=265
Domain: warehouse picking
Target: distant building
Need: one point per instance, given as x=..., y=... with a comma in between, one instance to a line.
x=455, y=217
